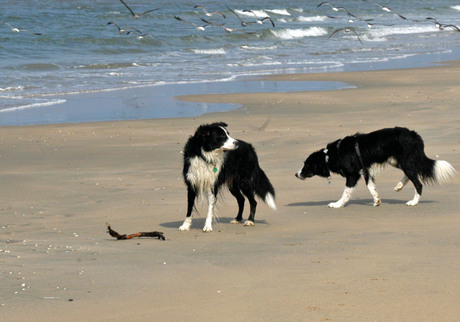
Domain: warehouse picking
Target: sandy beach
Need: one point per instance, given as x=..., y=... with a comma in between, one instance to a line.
x=60, y=184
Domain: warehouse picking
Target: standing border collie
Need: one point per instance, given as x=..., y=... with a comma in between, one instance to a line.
x=363, y=154
x=212, y=159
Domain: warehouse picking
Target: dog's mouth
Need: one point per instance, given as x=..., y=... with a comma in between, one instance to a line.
x=299, y=176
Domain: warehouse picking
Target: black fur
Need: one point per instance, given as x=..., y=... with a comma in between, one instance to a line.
x=399, y=147
x=240, y=170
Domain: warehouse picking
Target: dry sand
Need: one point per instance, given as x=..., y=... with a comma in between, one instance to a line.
x=60, y=184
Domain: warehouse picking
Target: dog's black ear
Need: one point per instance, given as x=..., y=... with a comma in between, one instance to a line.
x=203, y=131
x=223, y=124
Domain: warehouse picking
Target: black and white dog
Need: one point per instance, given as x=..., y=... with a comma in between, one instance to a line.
x=363, y=154
x=212, y=159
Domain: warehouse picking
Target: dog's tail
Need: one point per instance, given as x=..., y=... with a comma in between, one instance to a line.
x=437, y=171
x=265, y=190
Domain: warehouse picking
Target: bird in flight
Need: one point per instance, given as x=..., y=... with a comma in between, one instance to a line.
x=14, y=29
x=197, y=27
x=384, y=8
x=346, y=29
x=227, y=29
x=137, y=16
x=442, y=26
x=260, y=20
x=207, y=13
x=126, y=30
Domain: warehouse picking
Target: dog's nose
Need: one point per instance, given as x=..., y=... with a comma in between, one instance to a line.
x=236, y=143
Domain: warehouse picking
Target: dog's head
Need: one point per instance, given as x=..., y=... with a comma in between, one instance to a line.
x=315, y=165
x=215, y=136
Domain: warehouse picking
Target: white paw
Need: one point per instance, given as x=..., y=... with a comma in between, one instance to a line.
x=185, y=226
x=412, y=203
x=377, y=202
x=398, y=187
x=249, y=223
x=336, y=204
x=207, y=228
x=234, y=221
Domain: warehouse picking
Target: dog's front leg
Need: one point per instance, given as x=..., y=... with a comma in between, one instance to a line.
x=191, y=195
x=344, y=199
x=211, y=204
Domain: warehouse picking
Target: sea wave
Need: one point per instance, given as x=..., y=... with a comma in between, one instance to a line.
x=281, y=12
x=33, y=105
x=387, y=31
x=215, y=51
x=311, y=18
x=456, y=7
x=286, y=34
x=11, y=88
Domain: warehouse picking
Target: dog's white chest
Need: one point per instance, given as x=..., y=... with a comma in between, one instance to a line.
x=203, y=174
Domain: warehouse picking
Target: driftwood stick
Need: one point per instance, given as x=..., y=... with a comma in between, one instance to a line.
x=154, y=234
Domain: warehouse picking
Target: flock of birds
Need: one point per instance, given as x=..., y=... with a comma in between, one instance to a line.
x=206, y=21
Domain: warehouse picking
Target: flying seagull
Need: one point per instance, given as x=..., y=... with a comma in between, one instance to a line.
x=243, y=23
x=442, y=26
x=227, y=29
x=197, y=27
x=346, y=29
x=127, y=30
x=260, y=20
x=137, y=16
x=384, y=8
x=337, y=9
x=209, y=14
x=14, y=29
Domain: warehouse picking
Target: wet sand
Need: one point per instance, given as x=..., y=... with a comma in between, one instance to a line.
x=60, y=184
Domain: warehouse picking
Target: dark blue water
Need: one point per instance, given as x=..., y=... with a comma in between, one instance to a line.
x=78, y=53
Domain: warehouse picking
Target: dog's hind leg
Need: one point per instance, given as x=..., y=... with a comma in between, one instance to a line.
x=212, y=199
x=373, y=191
x=235, y=190
x=418, y=188
x=401, y=184
x=252, y=207
x=191, y=195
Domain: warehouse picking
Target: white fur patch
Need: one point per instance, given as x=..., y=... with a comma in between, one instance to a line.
x=414, y=202
x=270, y=201
x=443, y=171
x=187, y=224
x=342, y=201
x=203, y=174
x=231, y=143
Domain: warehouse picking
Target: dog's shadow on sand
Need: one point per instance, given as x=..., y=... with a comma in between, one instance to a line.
x=366, y=202
x=199, y=222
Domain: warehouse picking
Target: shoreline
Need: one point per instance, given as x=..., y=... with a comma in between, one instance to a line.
x=61, y=183
x=161, y=101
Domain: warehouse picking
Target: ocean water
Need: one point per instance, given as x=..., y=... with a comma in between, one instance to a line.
x=78, y=52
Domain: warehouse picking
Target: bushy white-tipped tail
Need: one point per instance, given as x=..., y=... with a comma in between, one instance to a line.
x=270, y=201
x=443, y=171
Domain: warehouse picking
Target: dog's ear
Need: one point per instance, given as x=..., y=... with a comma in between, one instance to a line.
x=223, y=124
x=203, y=131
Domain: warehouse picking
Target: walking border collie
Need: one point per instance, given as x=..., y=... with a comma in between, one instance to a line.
x=212, y=159
x=363, y=154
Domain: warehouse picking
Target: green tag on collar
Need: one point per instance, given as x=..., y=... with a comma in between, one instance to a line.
x=215, y=169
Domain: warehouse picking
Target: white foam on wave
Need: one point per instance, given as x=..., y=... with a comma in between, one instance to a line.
x=287, y=34
x=258, y=13
x=281, y=12
x=387, y=31
x=216, y=51
x=247, y=47
x=11, y=88
x=456, y=7
x=33, y=105
x=311, y=18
